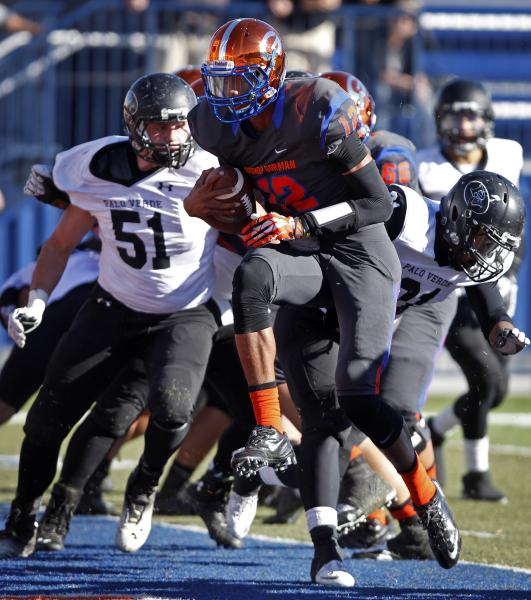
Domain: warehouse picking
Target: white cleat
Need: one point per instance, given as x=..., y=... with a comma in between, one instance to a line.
x=334, y=573
x=241, y=511
x=135, y=523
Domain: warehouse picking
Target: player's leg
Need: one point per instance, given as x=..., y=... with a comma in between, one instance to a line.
x=364, y=291
x=109, y=420
x=487, y=381
x=81, y=365
x=266, y=276
x=176, y=351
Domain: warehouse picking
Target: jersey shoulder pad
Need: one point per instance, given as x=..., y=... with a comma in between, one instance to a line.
x=71, y=170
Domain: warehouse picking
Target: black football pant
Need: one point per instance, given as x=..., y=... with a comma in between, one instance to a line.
x=485, y=371
x=103, y=338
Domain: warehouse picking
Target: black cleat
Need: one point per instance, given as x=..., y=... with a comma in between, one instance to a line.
x=55, y=522
x=443, y=534
x=478, y=486
x=437, y=440
x=265, y=447
x=412, y=543
x=19, y=537
x=209, y=497
x=177, y=503
x=289, y=506
x=362, y=491
x=369, y=534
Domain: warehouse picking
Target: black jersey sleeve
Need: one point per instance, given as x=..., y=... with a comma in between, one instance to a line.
x=488, y=305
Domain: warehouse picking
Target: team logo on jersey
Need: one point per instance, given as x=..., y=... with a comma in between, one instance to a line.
x=165, y=186
x=477, y=197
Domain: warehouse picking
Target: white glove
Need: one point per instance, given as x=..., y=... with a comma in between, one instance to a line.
x=39, y=179
x=5, y=311
x=511, y=341
x=26, y=319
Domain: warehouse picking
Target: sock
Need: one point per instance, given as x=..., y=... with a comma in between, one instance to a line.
x=477, y=454
x=322, y=525
x=432, y=471
x=403, y=511
x=355, y=452
x=445, y=420
x=378, y=515
x=418, y=483
x=178, y=475
x=266, y=405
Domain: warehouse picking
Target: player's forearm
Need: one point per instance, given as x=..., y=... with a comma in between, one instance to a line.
x=49, y=267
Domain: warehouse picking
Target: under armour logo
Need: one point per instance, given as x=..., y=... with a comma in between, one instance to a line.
x=168, y=186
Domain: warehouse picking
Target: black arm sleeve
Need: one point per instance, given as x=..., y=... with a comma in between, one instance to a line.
x=487, y=302
x=371, y=201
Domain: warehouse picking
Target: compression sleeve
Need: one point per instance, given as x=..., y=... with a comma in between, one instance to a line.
x=371, y=202
x=488, y=305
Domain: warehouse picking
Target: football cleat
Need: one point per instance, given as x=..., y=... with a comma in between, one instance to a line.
x=19, y=537
x=370, y=533
x=55, y=522
x=176, y=503
x=362, y=491
x=478, y=486
x=333, y=573
x=241, y=511
x=265, y=447
x=288, y=506
x=137, y=512
x=412, y=543
x=443, y=533
x=209, y=499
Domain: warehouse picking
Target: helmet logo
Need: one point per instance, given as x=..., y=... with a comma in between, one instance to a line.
x=276, y=46
x=477, y=197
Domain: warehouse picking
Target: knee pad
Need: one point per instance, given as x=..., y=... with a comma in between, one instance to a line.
x=252, y=292
x=374, y=417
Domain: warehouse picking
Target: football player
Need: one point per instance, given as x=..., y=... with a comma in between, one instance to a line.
x=324, y=243
x=151, y=301
x=465, y=124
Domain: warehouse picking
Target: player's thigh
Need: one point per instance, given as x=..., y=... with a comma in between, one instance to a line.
x=176, y=358
x=417, y=341
x=363, y=280
x=297, y=276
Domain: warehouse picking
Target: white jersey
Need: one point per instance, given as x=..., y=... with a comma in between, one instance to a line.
x=155, y=258
x=437, y=176
x=81, y=268
x=423, y=279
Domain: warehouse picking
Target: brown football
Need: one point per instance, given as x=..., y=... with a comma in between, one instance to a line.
x=242, y=193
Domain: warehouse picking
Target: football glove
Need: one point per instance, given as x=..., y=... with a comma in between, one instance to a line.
x=40, y=185
x=24, y=320
x=511, y=341
x=273, y=227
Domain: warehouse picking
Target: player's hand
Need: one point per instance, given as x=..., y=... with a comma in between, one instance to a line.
x=5, y=311
x=202, y=203
x=24, y=320
x=39, y=180
x=272, y=227
x=508, y=340
x=40, y=185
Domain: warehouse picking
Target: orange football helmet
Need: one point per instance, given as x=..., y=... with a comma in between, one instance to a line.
x=362, y=99
x=245, y=69
x=189, y=73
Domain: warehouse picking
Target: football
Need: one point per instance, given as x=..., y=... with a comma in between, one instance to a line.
x=242, y=193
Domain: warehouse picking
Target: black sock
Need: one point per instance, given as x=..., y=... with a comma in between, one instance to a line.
x=178, y=475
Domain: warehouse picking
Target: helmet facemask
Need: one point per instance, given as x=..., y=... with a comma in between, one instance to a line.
x=459, y=139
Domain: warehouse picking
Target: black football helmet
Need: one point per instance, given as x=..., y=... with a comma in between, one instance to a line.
x=456, y=100
x=482, y=218
x=158, y=97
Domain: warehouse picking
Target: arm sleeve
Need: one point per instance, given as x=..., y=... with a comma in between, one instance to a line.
x=371, y=204
x=488, y=305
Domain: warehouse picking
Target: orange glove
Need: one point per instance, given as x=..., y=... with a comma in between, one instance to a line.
x=273, y=227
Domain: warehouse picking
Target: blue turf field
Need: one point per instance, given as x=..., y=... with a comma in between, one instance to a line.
x=181, y=564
